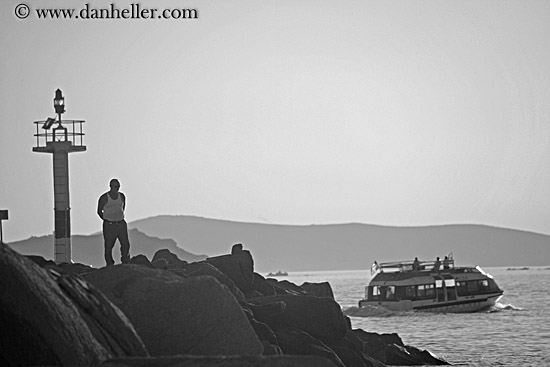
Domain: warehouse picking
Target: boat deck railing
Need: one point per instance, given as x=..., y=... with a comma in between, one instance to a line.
x=411, y=265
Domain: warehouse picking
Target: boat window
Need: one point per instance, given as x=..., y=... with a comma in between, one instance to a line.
x=430, y=290
x=425, y=291
x=390, y=292
x=438, y=283
x=449, y=282
x=421, y=290
x=483, y=285
x=410, y=291
x=472, y=286
x=461, y=288
x=376, y=292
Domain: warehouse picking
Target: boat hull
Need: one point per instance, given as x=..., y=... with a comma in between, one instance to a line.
x=462, y=305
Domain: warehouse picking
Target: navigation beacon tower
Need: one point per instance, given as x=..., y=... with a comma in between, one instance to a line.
x=60, y=137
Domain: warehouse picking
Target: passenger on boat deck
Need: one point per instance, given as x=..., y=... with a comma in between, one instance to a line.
x=416, y=264
x=446, y=263
x=437, y=264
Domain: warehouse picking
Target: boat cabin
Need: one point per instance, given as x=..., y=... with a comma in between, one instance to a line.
x=418, y=284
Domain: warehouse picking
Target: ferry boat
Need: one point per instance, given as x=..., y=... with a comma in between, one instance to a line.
x=431, y=286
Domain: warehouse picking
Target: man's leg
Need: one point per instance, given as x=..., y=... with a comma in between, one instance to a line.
x=124, y=242
x=109, y=237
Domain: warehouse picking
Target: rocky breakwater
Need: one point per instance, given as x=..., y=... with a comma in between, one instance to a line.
x=166, y=312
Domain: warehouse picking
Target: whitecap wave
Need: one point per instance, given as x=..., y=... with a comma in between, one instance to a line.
x=506, y=307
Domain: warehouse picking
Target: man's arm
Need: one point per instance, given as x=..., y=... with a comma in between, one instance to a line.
x=123, y=201
x=100, y=204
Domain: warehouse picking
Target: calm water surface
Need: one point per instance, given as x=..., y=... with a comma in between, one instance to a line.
x=515, y=333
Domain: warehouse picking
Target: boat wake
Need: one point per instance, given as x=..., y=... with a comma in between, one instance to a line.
x=498, y=307
x=367, y=311
x=504, y=307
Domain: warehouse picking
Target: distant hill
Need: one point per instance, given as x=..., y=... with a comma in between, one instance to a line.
x=89, y=249
x=350, y=246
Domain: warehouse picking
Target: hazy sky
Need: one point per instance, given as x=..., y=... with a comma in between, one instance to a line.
x=290, y=112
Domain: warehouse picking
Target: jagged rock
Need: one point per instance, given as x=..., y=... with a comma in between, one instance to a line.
x=425, y=356
x=318, y=289
x=261, y=285
x=172, y=260
x=263, y=332
x=390, y=349
x=174, y=315
x=397, y=355
x=295, y=341
x=37, y=314
x=239, y=267
x=350, y=350
x=223, y=361
x=374, y=344
x=66, y=268
x=75, y=268
x=285, y=287
x=204, y=268
x=267, y=312
x=108, y=324
x=40, y=261
x=322, y=318
x=271, y=349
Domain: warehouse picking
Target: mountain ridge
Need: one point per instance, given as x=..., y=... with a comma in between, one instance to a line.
x=338, y=246
x=88, y=249
x=312, y=247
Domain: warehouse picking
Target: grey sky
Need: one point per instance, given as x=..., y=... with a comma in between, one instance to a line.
x=299, y=112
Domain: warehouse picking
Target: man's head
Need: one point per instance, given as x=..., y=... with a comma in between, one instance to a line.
x=114, y=184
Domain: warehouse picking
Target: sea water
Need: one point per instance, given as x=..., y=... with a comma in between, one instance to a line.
x=516, y=332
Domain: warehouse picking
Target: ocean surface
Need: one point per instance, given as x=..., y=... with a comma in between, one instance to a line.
x=515, y=333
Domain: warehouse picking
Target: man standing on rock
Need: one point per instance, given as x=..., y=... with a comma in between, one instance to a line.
x=110, y=208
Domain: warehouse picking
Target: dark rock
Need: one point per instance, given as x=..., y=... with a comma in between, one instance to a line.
x=350, y=350
x=425, y=357
x=322, y=318
x=172, y=260
x=204, y=268
x=40, y=261
x=295, y=341
x=160, y=264
x=239, y=267
x=353, y=358
x=267, y=312
x=286, y=287
x=253, y=294
x=108, y=324
x=389, y=349
x=318, y=289
x=75, y=268
x=261, y=285
x=174, y=315
x=223, y=361
x=271, y=349
x=141, y=260
x=374, y=344
x=236, y=248
x=348, y=322
x=397, y=355
x=263, y=332
x=37, y=314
